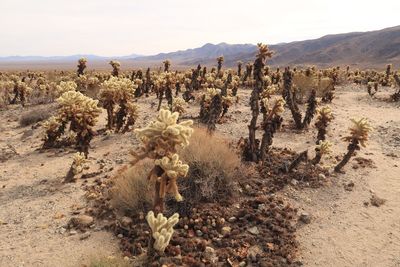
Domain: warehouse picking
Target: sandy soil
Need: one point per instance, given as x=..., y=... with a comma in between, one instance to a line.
x=35, y=204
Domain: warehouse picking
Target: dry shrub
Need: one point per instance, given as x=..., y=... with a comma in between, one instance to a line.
x=214, y=168
x=132, y=192
x=35, y=116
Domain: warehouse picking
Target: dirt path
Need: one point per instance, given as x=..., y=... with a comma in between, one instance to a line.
x=35, y=204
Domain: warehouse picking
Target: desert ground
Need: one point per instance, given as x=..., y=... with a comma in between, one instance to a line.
x=342, y=227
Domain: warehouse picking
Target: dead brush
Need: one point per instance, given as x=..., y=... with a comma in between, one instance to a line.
x=215, y=169
x=35, y=116
x=132, y=193
x=214, y=173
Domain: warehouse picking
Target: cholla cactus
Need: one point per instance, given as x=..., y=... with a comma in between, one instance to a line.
x=239, y=71
x=290, y=99
x=65, y=87
x=78, y=110
x=358, y=136
x=271, y=122
x=119, y=92
x=251, y=150
x=160, y=140
x=167, y=64
x=178, y=105
x=21, y=90
x=162, y=229
x=6, y=89
x=116, y=67
x=220, y=60
x=324, y=117
x=373, y=85
x=77, y=166
x=81, y=66
x=311, y=109
x=322, y=148
x=173, y=168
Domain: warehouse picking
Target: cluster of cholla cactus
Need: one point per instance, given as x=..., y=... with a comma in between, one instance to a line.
x=116, y=95
x=81, y=66
x=78, y=164
x=162, y=229
x=160, y=140
x=164, y=88
x=6, y=90
x=116, y=65
x=21, y=90
x=322, y=81
x=358, y=137
x=214, y=104
x=81, y=113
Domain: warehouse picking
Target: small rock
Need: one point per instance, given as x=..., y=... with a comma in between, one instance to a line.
x=73, y=232
x=62, y=230
x=349, y=186
x=210, y=255
x=226, y=230
x=254, y=251
x=294, y=182
x=199, y=233
x=242, y=264
x=84, y=236
x=126, y=221
x=377, y=201
x=232, y=219
x=305, y=217
x=120, y=236
x=322, y=176
x=82, y=220
x=253, y=230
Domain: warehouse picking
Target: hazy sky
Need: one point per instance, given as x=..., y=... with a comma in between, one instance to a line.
x=122, y=27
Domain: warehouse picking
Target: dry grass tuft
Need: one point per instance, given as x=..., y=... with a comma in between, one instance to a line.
x=35, y=116
x=132, y=192
x=214, y=168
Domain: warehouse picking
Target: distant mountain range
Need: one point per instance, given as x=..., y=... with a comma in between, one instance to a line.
x=361, y=49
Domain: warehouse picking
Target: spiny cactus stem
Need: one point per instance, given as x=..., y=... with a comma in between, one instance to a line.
x=317, y=158
x=303, y=156
x=352, y=147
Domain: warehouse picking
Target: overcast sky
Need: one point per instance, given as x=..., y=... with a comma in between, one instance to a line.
x=123, y=27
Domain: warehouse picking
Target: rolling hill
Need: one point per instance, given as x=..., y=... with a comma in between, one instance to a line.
x=364, y=49
x=359, y=49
